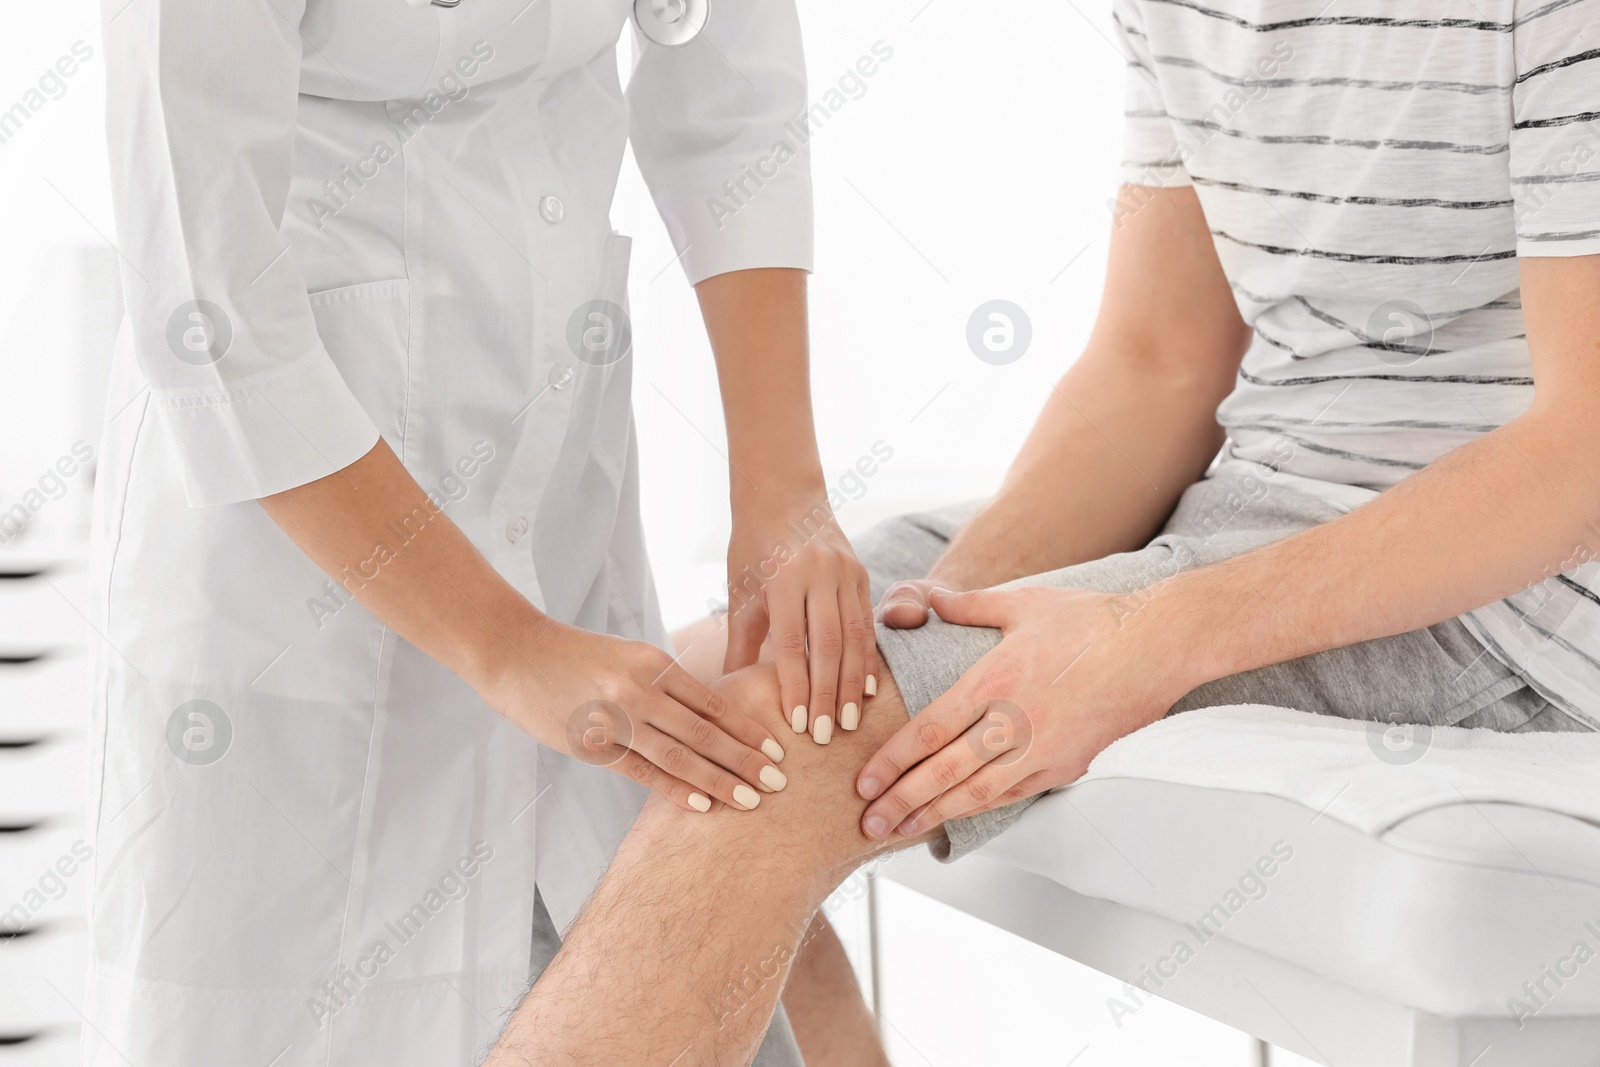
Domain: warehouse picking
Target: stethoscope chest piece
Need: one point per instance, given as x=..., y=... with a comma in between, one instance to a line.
x=671, y=22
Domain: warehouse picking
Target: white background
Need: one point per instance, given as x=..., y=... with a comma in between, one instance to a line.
x=976, y=166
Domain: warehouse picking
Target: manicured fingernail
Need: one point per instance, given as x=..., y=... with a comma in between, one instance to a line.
x=869, y=788
x=773, y=750
x=876, y=826
x=871, y=688
x=908, y=828
x=699, y=802
x=745, y=797
x=822, y=730
x=797, y=719
x=850, y=716
x=773, y=779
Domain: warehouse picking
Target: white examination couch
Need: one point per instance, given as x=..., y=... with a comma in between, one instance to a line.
x=1363, y=897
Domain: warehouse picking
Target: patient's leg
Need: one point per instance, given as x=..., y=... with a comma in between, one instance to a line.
x=701, y=645
x=683, y=951
x=827, y=1012
x=831, y=1021
x=829, y=1016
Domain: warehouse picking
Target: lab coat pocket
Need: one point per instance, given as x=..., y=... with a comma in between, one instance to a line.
x=366, y=328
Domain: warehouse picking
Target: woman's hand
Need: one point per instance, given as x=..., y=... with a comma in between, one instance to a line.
x=1074, y=671
x=627, y=705
x=793, y=574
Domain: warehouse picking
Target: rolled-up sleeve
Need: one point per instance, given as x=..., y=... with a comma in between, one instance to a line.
x=1555, y=130
x=201, y=109
x=1152, y=154
x=720, y=130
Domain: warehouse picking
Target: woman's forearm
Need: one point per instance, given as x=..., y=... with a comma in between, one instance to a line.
x=756, y=320
x=792, y=575
x=618, y=703
x=374, y=529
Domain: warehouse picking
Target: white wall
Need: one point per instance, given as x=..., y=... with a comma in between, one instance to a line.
x=54, y=207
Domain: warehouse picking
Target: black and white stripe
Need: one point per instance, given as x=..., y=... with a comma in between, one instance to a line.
x=1370, y=174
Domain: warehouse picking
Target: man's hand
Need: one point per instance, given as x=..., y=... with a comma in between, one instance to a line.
x=1074, y=671
x=905, y=604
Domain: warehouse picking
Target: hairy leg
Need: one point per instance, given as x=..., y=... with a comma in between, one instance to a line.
x=827, y=1012
x=829, y=1016
x=683, y=951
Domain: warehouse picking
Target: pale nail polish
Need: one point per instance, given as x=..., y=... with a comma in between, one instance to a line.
x=745, y=797
x=822, y=730
x=797, y=719
x=871, y=688
x=850, y=716
x=699, y=802
x=773, y=779
x=773, y=750
x=875, y=826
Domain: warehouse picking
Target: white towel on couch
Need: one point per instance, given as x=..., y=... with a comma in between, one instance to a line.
x=1367, y=775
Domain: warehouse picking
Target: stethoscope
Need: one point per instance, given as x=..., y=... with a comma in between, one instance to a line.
x=668, y=22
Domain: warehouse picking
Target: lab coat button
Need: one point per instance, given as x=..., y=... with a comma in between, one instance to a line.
x=552, y=210
x=517, y=528
x=560, y=375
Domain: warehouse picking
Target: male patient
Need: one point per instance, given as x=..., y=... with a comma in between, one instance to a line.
x=1334, y=444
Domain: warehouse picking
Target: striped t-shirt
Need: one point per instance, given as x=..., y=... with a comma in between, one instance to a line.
x=1370, y=171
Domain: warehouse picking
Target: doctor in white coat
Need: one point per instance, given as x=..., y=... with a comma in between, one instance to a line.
x=369, y=569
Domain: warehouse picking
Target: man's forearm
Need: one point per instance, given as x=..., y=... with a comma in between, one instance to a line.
x=1133, y=423
x=1492, y=518
x=1117, y=443
x=1511, y=509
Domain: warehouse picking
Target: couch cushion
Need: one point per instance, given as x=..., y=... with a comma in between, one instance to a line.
x=1465, y=909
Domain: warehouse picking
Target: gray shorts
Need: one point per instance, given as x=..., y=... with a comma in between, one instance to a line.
x=1440, y=676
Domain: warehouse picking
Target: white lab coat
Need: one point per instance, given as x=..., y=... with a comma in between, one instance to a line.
x=394, y=212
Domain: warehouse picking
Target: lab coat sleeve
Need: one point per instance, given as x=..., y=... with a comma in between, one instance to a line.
x=719, y=127
x=201, y=109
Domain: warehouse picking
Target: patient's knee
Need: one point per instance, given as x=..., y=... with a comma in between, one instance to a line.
x=816, y=817
x=754, y=690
